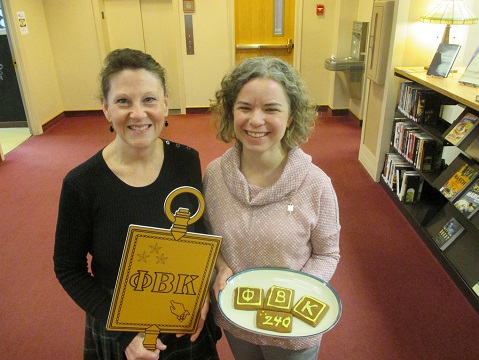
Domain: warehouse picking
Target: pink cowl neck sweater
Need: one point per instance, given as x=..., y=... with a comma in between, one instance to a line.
x=259, y=231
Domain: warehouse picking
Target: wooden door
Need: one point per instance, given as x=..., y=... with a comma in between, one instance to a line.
x=255, y=29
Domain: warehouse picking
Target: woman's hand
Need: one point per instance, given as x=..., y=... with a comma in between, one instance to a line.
x=223, y=272
x=136, y=350
x=201, y=322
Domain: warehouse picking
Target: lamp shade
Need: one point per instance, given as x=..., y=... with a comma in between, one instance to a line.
x=451, y=12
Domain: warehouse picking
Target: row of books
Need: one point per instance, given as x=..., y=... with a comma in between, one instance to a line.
x=418, y=103
x=462, y=189
x=419, y=148
x=402, y=178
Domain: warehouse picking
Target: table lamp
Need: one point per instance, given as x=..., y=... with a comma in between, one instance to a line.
x=449, y=12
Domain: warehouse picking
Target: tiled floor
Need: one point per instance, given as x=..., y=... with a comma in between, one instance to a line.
x=10, y=138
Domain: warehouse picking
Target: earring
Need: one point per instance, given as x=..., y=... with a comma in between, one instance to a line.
x=111, y=128
x=166, y=123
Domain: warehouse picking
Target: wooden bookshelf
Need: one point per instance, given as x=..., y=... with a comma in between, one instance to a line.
x=432, y=212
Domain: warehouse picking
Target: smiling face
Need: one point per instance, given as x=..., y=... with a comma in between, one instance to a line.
x=137, y=107
x=261, y=115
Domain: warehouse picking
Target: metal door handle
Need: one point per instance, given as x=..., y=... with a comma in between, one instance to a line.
x=289, y=46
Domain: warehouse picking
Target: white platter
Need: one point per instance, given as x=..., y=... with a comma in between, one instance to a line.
x=301, y=283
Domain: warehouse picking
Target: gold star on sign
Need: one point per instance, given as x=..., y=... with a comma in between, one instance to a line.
x=161, y=259
x=143, y=257
x=155, y=248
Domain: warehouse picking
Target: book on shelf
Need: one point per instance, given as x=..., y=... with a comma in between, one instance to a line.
x=468, y=202
x=411, y=187
x=471, y=74
x=418, y=148
x=401, y=169
x=426, y=151
x=443, y=59
x=458, y=181
x=431, y=107
x=419, y=103
x=462, y=127
x=448, y=233
x=392, y=164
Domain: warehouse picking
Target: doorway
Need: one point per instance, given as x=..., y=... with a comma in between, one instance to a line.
x=13, y=120
x=12, y=111
x=264, y=28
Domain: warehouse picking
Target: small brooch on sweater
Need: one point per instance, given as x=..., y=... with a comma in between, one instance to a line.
x=290, y=207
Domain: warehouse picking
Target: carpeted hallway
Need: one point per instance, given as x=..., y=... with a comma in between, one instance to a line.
x=398, y=302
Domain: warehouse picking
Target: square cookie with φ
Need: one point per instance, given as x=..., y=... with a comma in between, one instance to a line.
x=278, y=321
x=310, y=310
x=279, y=299
x=248, y=298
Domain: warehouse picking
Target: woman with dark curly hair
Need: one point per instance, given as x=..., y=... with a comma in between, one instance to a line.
x=125, y=183
x=264, y=196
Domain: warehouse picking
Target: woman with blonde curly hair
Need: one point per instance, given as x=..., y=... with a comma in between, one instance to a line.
x=264, y=196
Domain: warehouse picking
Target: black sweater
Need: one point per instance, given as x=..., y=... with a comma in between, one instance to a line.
x=96, y=209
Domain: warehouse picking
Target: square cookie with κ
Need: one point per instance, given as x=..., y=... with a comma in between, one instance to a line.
x=310, y=310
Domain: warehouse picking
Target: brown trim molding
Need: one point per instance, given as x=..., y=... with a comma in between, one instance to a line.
x=67, y=114
x=198, y=110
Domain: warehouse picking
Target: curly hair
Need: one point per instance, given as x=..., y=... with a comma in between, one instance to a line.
x=302, y=110
x=122, y=59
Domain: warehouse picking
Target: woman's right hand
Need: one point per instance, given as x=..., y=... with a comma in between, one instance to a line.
x=223, y=272
x=136, y=350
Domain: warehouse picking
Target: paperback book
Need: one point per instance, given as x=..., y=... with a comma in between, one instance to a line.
x=443, y=59
x=458, y=181
x=448, y=233
x=468, y=202
x=411, y=187
x=462, y=128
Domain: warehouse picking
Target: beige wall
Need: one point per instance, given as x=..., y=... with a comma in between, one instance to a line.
x=61, y=56
x=68, y=40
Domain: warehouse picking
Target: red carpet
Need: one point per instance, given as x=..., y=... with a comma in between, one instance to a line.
x=398, y=302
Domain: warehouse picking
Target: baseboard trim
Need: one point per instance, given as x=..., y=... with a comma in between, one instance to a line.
x=197, y=110
x=68, y=114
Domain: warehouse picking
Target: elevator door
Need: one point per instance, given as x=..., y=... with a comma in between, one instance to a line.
x=149, y=26
x=254, y=24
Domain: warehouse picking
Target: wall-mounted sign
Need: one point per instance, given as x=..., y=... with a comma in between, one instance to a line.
x=22, y=22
